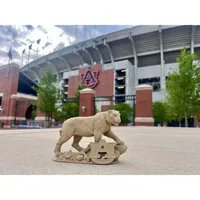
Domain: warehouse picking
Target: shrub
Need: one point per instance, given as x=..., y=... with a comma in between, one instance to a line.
x=126, y=111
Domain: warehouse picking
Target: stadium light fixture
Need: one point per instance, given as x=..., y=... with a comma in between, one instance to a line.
x=23, y=52
x=29, y=48
x=120, y=78
x=38, y=42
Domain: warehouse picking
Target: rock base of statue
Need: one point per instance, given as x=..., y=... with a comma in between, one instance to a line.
x=101, y=153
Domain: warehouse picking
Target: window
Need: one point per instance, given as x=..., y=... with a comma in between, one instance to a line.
x=155, y=82
x=120, y=73
x=65, y=89
x=120, y=82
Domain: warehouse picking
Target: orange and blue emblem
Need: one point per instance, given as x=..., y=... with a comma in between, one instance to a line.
x=90, y=78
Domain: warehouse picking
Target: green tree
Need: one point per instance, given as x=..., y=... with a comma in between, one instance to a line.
x=70, y=109
x=159, y=112
x=96, y=110
x=196, y=98
x=162, y=112
x=33, y=116
x=48, y=94
x=126, y=111
x=80, y=87
x=181, y=87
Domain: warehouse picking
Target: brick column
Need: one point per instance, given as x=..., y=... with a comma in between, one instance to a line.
x=87, y=101
x=143, y=108
x=196, y=123
x=8, y=86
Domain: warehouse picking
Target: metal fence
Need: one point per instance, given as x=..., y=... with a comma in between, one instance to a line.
x=102, y=103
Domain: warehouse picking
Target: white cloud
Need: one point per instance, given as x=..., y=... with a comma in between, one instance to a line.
x=48, y=34
x=52, y=38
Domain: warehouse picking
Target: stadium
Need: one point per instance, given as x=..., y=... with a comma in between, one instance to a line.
x=141, y=54
x=113, y=64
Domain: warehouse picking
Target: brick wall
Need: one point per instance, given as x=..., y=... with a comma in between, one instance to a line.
x=103, y=88
x=9, y=86
x=144, y=103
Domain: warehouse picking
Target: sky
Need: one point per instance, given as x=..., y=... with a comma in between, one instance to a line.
x=53, y=37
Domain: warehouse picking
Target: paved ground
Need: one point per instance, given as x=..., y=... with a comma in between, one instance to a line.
x=151, y=150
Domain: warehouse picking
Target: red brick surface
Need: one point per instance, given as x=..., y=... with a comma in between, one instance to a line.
x=196, y=123
x=144, y=124
x=143, y=107
x=144, y=103
x=105, y=108
x=103, y=88
x=87, y=101
x=9, y=86
x=73, y=85
x=40, y=114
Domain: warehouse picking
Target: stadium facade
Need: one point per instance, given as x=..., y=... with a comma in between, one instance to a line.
x=120, y=60
x=114, y=64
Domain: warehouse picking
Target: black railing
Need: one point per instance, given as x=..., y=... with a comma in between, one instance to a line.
x=71, y=100
x=117, y=99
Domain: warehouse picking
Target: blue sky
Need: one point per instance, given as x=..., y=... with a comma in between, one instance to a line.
x=53, y=37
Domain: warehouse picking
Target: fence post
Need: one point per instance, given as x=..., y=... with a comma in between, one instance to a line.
x=86, y=104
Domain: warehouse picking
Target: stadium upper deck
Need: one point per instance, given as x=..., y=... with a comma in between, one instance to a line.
x=144, y=44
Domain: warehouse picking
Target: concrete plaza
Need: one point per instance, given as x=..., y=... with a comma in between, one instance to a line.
x=151, y=151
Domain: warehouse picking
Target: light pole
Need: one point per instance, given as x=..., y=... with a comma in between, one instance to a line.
x=84, y=32
x=38, y=42
x=94, y=29
x=29, y=48
x=23, y=52
x=75, y=34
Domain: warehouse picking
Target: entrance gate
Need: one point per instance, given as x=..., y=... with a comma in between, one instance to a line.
x=103, y=103
x=18, y=103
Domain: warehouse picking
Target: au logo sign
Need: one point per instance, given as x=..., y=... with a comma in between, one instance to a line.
x=90, y=78
x=102, y=152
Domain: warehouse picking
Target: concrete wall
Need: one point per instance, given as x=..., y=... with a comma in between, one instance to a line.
x=170, y=67
x=66, y=75
x=149, y=72
x=130, y=80
x=155, y=71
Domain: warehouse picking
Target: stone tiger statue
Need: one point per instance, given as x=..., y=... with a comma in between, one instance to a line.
x=92, y=126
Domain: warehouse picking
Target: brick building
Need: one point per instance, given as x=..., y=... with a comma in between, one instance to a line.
x=16, y=96
x=16, y=93
x=138, y=55
x=106, y=80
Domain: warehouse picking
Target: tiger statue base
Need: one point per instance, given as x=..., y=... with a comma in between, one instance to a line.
x=101, y=153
